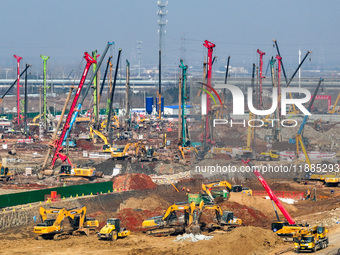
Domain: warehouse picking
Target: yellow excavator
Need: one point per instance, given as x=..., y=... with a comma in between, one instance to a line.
x=106, y=147
x=174, y=221
x=112, y=230
x=225, y=220
x=213, y=189
x=50, y=228
x=5, y=173
x=104, y=123
x=121, y=152
x=79, y=222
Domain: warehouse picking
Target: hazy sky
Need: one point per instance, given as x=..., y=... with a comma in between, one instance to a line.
x=64, y=29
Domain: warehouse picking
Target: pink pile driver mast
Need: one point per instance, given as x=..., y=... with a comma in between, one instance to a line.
x=18, y=88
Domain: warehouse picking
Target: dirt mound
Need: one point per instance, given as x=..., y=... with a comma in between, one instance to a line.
x=132, y=219
x=151, y=202
x=133, y=182
x=241, y=241
x=259, y=203
x=85, y=145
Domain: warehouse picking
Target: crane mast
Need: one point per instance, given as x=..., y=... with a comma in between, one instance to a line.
x=58, y=143
x=210, y=46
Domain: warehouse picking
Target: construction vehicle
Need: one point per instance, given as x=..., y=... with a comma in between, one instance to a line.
x=57, y=144
x=106, y=147
x=281, y=228
x=272, y=155
x=335, y=108
x=50, y=228
x=222, y=189
x=225, y=220
x=174, y=221
x=68, y=170
x=121, y=152
x=187, y=152
x=5, y=173
x=112, y=230
x=311, y=238
x=79, y=222
x=54, y=228
x=149, y=154
x=70, y=143
x=115, y=121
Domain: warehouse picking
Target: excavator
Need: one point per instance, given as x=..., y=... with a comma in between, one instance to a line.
x=115, y=121
x=187, y=150
x=225, y=220
x=112, y=230
x=144, y=154
x=106, y=147
x=121, y=152
x=79, y=222
x=212, y=189
x=5, y=173
x=52, y=228
x=174, y=221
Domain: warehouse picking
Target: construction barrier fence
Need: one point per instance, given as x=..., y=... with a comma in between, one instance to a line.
x=296, y=195
x=64, y=192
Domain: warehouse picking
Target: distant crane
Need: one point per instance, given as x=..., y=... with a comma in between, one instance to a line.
x=18, y=88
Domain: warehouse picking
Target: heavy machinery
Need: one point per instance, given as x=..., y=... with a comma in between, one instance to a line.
x=335, y=108
x=311, y=238
x=50, y=228
x=5, y=173
x=149, y=154
x=69, y=170
x=272, y=155
x=79, y=222
x=121, y=152
x=281, y=228
x=54, y=228
x=57, y=144
x=225, y=220
x=174, y=221
x=115, y=121
x=106, y=147
x=112, y=230
x=222, y=189
x=187, y=152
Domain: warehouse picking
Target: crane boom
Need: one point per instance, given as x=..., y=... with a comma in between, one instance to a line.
x=87, y=90
x=10, y=87
x=272, y=195
x=58, y=143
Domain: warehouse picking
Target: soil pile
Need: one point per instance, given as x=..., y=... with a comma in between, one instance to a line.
x=132, y=219
x=133, y=182
x=241, y=241
x=85, y=145
x=259, y=203
x=151, y=202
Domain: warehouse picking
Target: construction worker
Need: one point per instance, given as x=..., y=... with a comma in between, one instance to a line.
x=308, y=194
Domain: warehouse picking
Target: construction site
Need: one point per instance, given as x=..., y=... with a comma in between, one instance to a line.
x=115, y=160
x=203, y=179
